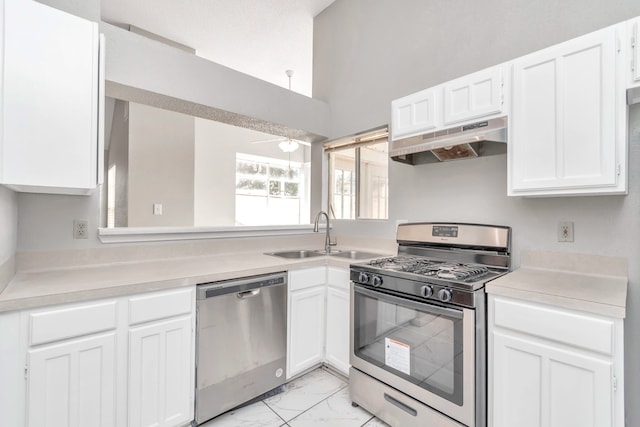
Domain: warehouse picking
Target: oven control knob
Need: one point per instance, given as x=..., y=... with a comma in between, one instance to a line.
x=363, y=278
x=426, y=291
x=376, y=281
x=444, y=295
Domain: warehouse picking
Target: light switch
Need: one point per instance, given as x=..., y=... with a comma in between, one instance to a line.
x=157, y=208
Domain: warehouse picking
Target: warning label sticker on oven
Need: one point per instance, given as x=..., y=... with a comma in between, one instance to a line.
x=397, y=355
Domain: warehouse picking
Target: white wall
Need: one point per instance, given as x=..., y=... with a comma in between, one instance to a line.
x=89, y=9
x=146, y=71
x=415, y=44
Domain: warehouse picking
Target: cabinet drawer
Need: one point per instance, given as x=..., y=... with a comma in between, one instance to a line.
x=71, y=321
x=160, y=305
x=338, y=277
x=301, y=279
x=564, y=326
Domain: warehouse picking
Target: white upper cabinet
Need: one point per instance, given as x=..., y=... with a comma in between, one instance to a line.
x=567, y=130
x=50, y=102
x=634, y=34
x=414, y=114
x=473, y=96
x=465, y=99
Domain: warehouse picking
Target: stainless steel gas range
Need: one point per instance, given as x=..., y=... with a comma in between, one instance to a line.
x=418, y=325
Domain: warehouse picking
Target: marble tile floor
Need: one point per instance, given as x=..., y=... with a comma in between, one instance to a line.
x=319, y=398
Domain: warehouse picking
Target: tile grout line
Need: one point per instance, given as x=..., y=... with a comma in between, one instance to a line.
x=368, y=421
x=278, y=415
x=311, y=407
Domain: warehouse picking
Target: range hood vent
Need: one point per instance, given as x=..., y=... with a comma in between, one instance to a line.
x=633, y=95
x=483, y=138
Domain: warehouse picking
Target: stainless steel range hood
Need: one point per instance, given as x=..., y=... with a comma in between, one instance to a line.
x=483, y=138
x=633, y=95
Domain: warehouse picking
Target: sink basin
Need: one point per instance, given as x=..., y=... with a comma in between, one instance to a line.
x=305, y=253
x=356, y=255
x=298, y=254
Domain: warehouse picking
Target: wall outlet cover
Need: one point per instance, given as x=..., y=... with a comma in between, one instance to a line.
x=80, y=229
x=565, y=231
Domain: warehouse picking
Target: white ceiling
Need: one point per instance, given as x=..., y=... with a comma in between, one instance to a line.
x=262, y=38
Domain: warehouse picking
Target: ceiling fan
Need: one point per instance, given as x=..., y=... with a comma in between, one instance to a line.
x=287, y=145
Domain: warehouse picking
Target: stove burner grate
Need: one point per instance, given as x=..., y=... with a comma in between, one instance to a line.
x=433, y=268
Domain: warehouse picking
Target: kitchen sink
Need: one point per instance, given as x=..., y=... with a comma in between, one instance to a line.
x=305, y=253
x=297, y=254
x=356, y=255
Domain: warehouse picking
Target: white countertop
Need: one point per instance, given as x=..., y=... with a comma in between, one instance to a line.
x=591, y=283
x=57, y=286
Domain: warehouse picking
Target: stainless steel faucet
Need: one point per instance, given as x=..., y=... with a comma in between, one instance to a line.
x=327, y=239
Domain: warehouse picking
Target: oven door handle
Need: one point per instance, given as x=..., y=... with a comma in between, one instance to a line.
x=422, y=306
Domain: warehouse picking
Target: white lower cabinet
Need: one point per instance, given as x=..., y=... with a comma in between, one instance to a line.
x=160, y=369
x=306, y=319
x=337, y=325
x=318, y=319
x=553, y=367
x=125, y=361
x=73, y=383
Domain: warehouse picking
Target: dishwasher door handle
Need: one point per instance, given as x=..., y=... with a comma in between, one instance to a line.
x=248, y=294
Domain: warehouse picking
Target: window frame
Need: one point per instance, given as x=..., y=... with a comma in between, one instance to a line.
x=370, y=137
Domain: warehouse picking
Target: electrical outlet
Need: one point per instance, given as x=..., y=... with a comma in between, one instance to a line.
x=565, y=231
x=157, y=208
x=80, y=229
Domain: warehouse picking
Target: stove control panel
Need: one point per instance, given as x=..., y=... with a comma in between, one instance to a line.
x=363, y=278
x=444, y=295
x=427, y=290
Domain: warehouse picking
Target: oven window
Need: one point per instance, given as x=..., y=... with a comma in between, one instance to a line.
x=422, y=345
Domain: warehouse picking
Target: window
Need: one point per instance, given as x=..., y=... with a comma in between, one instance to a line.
x=271, y=191
x=358, y=176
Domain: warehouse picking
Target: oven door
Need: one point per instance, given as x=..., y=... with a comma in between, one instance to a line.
x=419, y=348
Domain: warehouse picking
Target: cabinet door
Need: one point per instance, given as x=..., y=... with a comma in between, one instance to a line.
x=537, y=384
x=337, y=337
x=50, y=100
x=161, y=373
x=473, y=96
x=73, y=383
x=306, y=327
x=414, y=114
x=564, y=135
x=634, y=30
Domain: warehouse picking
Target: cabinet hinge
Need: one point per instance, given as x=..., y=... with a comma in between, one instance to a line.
x=615, y=383
x=618, y=169
x=26, y=372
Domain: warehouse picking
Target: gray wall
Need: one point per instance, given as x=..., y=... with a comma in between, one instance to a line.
x=161, y=148
x=368, y=52
x=118, y=157
x=8, y=233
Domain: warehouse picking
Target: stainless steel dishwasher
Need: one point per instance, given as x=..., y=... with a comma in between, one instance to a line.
x=241, y=341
